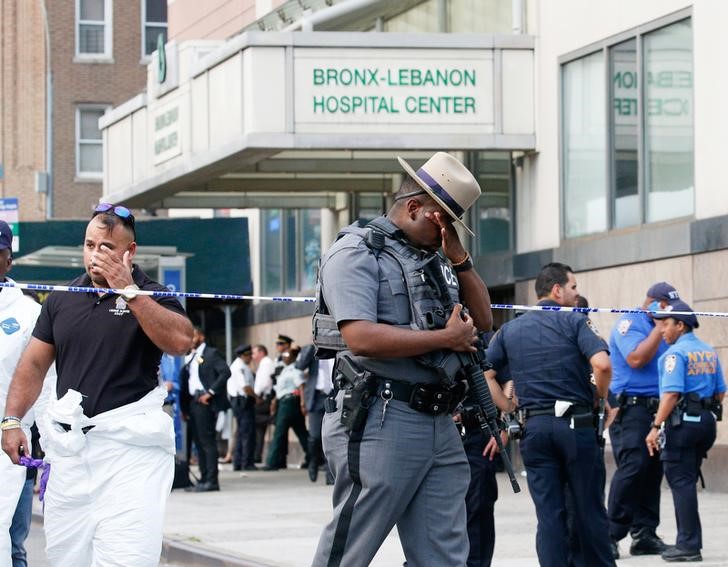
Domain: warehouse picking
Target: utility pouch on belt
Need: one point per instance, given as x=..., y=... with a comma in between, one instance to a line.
x=359, y=388
x=692, y=404
x=717, y=410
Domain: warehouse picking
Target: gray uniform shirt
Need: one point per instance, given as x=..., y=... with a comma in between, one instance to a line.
x=359, y=286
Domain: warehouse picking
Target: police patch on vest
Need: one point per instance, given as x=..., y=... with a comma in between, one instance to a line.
x=593, y=326
x=624, y=326
x=10, y=326
x=670, y=363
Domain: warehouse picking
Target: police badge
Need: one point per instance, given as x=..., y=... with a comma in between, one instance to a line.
x=592, y=325
x=624, y=326
x=670, y=363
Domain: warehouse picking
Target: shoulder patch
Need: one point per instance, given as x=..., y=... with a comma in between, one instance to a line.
x=624, y=326
x=670, y=363
x=593, y=326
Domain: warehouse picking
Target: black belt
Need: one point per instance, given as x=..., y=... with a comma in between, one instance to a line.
x=84, y=430
x=649, y=402
x=549, y=410
x=287, y=397
x=427, y=398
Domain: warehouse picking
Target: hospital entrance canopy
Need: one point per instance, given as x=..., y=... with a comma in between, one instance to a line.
x=290, y=119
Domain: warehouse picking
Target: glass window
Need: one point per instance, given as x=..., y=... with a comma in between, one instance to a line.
x=584, y=159
x=154, y=24
x=624, y=129
x=422, y=18
x=493, y=171
x=480, y=16
x=311, y=244
x=668, y=64
x=93, y=27
x=646, y=132
x=89, y=155
x=291, y=246
x=271, y=268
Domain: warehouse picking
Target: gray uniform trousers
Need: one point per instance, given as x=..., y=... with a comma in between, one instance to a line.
x=411, y=472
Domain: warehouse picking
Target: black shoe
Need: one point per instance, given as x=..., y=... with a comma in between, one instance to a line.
x=237, y=468
x=329, y=480
x=250, y=468
x=675, y=554
x=207, y=487
x=614, y=546
x=313, y=470
x=646, y=542
x=268, y=468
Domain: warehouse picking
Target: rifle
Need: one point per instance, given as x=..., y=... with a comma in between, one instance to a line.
x=475, y=364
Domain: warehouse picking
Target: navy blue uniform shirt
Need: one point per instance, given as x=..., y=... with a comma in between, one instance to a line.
x=548, y=356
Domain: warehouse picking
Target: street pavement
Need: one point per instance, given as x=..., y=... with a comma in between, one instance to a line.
x=267, y=519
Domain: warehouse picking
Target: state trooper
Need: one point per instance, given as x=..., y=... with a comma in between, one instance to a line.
x=550, y=356
x=692, y=388
x=634, y=495
x=388, y=434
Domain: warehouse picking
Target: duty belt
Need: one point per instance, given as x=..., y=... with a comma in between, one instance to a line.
x=585, y=413
x=651, y=403
x=433, y=399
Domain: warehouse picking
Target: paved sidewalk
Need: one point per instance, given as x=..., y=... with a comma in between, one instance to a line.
x=274, y=519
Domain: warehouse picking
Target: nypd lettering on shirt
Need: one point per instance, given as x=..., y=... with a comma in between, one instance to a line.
x=624, y=326
x=120, y=307
x=10, y=325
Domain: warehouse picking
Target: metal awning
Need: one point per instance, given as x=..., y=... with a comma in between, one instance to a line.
x=146, y=257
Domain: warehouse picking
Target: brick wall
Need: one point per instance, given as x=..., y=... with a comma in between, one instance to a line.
x=22, y=104
x=88, y=83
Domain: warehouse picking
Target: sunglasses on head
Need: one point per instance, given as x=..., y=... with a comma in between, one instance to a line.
x=118, y=210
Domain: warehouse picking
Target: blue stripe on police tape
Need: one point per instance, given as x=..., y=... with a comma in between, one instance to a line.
x=194, y=295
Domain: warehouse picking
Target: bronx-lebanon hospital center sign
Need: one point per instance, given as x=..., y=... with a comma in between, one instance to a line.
x=379, y=89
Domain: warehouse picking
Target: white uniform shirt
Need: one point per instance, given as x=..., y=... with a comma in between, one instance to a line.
x=240, y=376
x=194, y=369
x=323, y=380
x=288, y=380
x=263, y=380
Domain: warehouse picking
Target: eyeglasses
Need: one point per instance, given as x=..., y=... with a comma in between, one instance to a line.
x=120, y=211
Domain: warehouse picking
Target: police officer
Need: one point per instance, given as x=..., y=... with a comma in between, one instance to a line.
x=389, y=437
x=691, y=389
x=549, y=355
x=634, y=496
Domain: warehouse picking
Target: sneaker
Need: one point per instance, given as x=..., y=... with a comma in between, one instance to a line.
x=675, y=554
x=646, y=542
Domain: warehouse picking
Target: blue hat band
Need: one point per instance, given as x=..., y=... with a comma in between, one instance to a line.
x=443, y=195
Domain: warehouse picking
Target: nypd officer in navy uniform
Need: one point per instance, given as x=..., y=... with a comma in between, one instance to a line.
x=383, y=285
x=634, y=494
x=549, y=355
x=691, y=389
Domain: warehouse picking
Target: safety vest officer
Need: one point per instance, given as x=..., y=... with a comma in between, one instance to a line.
x=550, y=356
x=388, y=437
x=691, y=391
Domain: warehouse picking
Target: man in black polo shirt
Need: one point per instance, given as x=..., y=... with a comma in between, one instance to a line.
x=110, y=444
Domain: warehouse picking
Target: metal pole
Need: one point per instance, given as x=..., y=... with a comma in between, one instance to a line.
x=228, y=310
x=49, y=114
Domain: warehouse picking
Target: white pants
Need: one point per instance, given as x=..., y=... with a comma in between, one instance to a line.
x=12, y=478
x=105, y=504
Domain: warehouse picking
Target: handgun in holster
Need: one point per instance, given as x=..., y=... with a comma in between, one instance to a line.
x=359, y=388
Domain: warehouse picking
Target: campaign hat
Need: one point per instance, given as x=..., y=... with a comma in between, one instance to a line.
x=448, y=182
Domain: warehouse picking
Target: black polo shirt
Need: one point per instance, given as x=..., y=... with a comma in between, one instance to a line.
x=101, y=350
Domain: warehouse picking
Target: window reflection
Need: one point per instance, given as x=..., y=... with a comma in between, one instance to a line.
x=669, y=168
x=585, y=183
x=625, y=123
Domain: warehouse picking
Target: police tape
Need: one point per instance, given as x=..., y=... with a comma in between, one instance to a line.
x=290, y=299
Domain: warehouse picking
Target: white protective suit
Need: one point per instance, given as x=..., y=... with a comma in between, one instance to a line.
x=108, y=488
x=18, y=314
